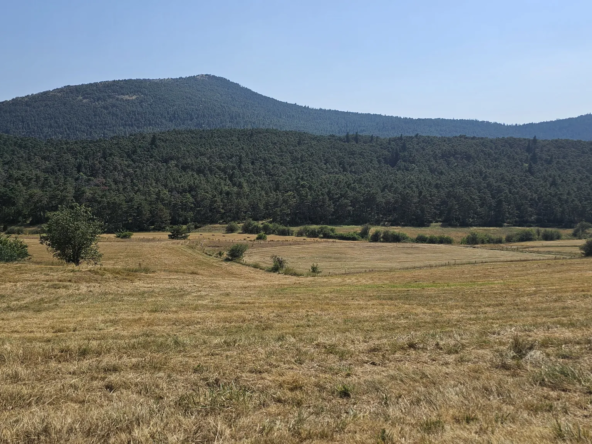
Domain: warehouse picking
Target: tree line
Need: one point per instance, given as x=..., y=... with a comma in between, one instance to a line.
x=152, y=181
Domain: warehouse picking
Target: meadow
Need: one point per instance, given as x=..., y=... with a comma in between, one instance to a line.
x=166, y=342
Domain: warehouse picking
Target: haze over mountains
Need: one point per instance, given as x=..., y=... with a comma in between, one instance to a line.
x=123, y=107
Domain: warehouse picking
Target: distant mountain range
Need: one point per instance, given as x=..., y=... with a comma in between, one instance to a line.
x=123, y=107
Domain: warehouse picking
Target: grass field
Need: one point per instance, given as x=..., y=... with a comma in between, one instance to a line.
x=164, y=343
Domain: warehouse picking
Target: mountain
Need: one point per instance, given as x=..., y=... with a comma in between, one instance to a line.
x=123, y=107
x=150, y=180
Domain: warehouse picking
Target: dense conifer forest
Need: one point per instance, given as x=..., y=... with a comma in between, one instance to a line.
x=106, y=109
x=149, y=181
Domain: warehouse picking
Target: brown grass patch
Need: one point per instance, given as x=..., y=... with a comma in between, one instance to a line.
x=199, y=350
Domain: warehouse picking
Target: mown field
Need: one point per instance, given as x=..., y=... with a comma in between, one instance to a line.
x=164, y=343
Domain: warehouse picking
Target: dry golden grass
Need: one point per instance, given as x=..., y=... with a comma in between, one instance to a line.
x=188, y=348
x=345, y=257
x=560, y=247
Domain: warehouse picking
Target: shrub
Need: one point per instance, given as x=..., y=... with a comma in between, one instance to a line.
x=307, y=231
x=12, y=249
x=550, y=235
x=581, y=230
x=394, y=237
x=232, y=227
x=448, y=240
x=72, y=234
x=365, y=231
x=522, y=236
x=262, y=236
x=587, y=248
x=15, y=230
x=432, y=239
x=376, y=236
x=279, y=264
x=326, y=232
x=284, y=231
x=421, y=239
x=475, y=238
x=277, y=229
x=178, y=232
x=315, y=269
x=349, y=236
x=236, y=252
x=124, y=234
x=526, y=235
x=251, y=227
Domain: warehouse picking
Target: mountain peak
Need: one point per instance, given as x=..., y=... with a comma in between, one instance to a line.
x=205, y=101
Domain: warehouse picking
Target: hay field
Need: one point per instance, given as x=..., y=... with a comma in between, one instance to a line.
x=188, y=348
x=565, y=247
x=345, y=257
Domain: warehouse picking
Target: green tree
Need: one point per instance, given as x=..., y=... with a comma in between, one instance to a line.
x=232, y=227
x=12, y=249
x=72, y=235
x=179, y=232
x=237, y=252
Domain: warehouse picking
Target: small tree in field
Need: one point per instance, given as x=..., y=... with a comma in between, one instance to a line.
x=12, y=249
x=237, y=252
x=72, y=235
x=232, y=227
x=178, y=232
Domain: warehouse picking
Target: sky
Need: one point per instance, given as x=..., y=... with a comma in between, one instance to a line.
x=505, y=61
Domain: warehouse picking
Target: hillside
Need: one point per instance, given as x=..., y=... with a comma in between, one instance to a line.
x=106, y=109
x=150, y=180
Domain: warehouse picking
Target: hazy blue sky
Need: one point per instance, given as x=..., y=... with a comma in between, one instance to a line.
x=507, y=61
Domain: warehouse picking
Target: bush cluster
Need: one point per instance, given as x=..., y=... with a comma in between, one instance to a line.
x=532, y=235
x=423, y=239
x=12, y=249
x=551, y=235
x=475, y=238
x=252, y=227
x=325, y=232
x=124, y=234
x=389, y=236
x=277, y=229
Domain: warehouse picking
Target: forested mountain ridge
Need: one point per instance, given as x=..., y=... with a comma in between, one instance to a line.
x=147, y=181
x=124, y=107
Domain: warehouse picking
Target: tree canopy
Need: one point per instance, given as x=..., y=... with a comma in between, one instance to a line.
x=153, y=181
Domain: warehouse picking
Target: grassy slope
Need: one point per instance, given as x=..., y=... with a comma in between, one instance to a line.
x=197, y=350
